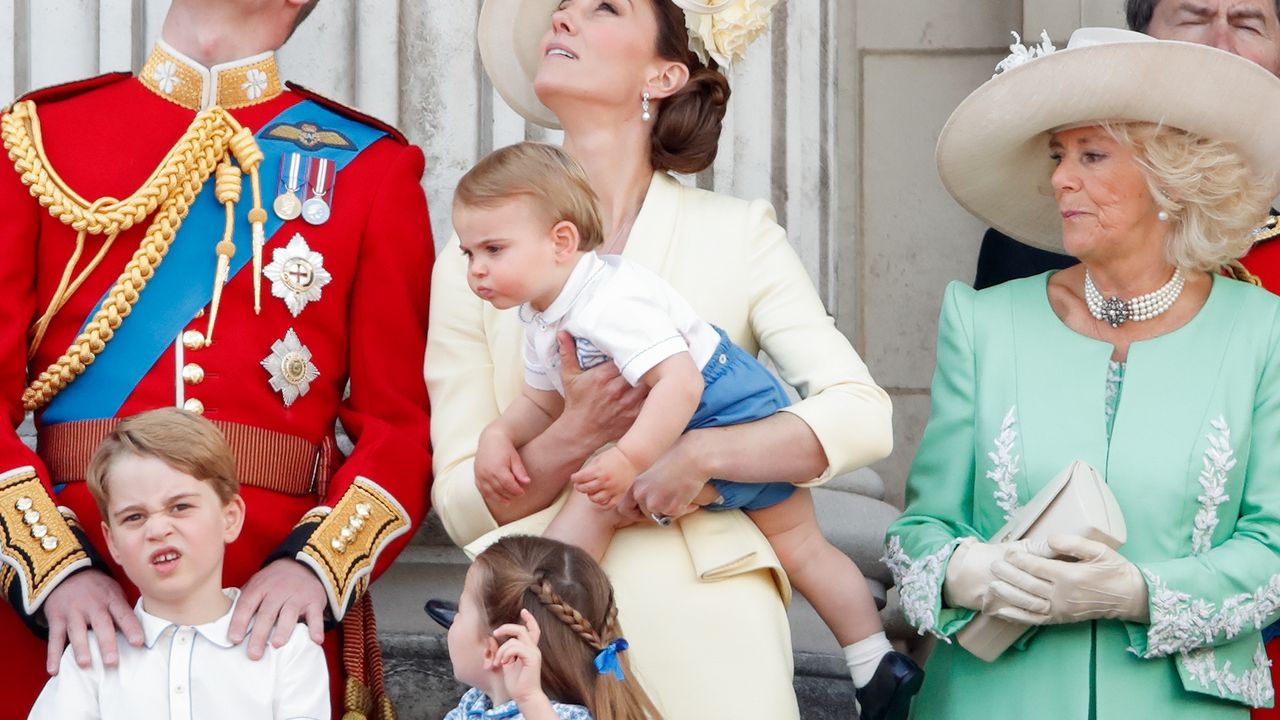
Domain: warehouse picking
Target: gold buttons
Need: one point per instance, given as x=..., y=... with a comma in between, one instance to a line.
x=193, y=340
x=193, y=405
x=192, y=374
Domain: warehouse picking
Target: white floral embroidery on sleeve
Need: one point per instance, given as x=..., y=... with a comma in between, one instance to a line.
x=1219, y=459
x=1253, y=686
x=1182, y=623
x=919, y=583
x=1005, y=465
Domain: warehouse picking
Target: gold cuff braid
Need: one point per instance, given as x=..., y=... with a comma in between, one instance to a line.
x=344, y=548
x=36, y=542
x=169, y=192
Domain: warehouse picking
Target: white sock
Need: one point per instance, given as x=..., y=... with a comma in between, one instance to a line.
x=863, y=657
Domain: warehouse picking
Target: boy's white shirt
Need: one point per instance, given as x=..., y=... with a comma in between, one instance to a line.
x=620, y=311
x=191, y=672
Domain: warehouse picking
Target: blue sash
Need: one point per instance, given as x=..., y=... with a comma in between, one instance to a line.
x=183, y=284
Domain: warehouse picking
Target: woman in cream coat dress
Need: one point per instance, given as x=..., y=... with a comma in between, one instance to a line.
x=704, y=599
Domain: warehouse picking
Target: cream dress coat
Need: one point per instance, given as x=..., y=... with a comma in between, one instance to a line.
x=702, y=602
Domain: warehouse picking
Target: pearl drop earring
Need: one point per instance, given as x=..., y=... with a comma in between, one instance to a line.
x=644, y=107
x=1162, y=216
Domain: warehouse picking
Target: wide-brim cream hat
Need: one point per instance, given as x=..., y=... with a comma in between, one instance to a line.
x=510, y=39
x=993, y=153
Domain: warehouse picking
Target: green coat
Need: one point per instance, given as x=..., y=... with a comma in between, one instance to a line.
x=1194, y=461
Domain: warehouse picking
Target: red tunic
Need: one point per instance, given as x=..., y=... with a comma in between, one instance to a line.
x=1264, y=261
x=368, y=327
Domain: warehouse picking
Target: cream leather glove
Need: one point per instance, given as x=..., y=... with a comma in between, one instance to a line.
x=969, y=572
x=1083, y=580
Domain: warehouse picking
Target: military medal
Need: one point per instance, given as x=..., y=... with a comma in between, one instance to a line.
x=297, y=274
x=290, y=367
x=320, y=183
x=287, y=205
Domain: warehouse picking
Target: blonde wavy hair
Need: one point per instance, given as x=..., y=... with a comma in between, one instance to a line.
x=1213, y=198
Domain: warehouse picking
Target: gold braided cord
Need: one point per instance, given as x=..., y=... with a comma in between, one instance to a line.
x=1236, y=270
x=169, y=192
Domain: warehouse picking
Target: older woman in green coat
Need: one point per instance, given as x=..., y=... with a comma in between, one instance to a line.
x=1141, y=159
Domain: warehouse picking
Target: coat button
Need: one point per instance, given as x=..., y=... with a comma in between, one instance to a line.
x=193, y=340
x=192, y=374
x=193, y=405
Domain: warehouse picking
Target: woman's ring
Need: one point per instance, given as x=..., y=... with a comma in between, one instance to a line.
x=663, y=520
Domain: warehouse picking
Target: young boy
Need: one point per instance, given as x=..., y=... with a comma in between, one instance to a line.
x=528, y=222
x=166, y=487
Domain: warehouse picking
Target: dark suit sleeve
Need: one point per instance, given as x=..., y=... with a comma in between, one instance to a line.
x=1002, y=258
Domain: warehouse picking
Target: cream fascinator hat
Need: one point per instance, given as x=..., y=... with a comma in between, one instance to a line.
x=993, y=154
x=511, y=31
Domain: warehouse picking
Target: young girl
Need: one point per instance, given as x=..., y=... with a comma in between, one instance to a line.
x=528, y=222
x=537, y=637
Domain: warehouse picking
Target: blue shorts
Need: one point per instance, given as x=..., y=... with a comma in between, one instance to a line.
x=738, y=389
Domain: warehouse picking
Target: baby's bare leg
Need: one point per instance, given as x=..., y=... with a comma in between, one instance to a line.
x=826, y=577
x=583, y=523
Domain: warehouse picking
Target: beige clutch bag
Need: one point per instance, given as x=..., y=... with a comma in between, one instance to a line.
x=1076, y=502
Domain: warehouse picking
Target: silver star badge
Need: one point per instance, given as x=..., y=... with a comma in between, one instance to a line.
x=297, y=274
x=290, y=366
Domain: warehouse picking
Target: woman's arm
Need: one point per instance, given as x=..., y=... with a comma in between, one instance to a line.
x=938, y=515
x=843, y=422
x=1213, y=596
x=849, y=415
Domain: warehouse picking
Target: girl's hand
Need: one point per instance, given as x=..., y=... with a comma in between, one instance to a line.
x=521, y=662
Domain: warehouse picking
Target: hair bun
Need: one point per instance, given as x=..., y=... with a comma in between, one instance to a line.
x=686, y=130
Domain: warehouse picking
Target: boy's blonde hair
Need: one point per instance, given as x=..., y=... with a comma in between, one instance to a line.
x=545, y=174
x=182, y=440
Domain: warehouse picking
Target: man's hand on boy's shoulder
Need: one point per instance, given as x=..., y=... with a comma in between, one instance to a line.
x=89, y=600
x=274, y=600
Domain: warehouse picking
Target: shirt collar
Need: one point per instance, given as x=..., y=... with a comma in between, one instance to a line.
x=588, y=265
x=215, y=631
x=478, y=706
x=239, y=83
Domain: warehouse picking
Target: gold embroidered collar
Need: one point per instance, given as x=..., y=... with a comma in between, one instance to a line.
x=179, y=79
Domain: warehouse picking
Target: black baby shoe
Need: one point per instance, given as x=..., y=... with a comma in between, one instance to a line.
x=888, y=695
x=443, y=612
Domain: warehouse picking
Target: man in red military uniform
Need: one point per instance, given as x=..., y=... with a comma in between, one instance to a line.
x=201, y=236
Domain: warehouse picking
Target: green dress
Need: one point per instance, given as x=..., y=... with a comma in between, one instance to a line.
x=1191, y=450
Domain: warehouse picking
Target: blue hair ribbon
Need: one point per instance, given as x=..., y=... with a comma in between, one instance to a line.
x=607, y=662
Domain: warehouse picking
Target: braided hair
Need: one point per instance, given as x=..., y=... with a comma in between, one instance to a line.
x=571, y=598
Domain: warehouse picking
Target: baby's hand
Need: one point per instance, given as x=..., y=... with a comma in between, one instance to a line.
x=520, y=660
x=500, y=475
x=606, y=478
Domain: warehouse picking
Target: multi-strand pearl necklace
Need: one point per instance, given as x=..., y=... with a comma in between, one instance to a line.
x=1115, y=311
